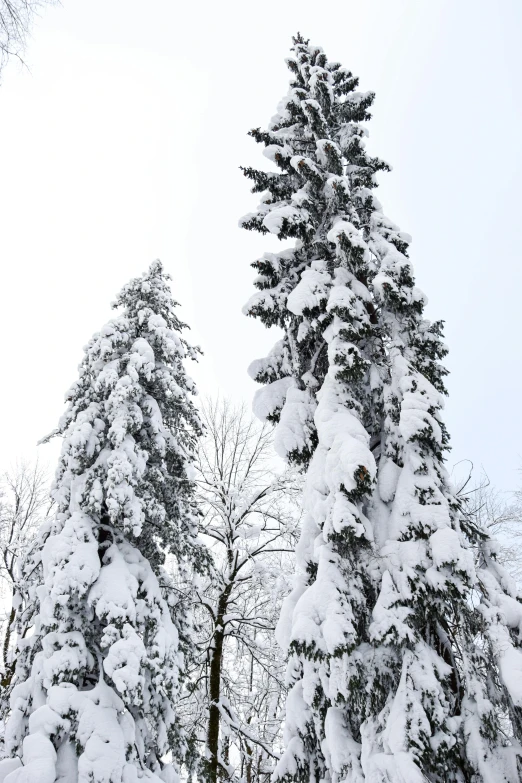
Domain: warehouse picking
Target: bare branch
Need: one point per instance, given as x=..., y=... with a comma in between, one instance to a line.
x=16, y=18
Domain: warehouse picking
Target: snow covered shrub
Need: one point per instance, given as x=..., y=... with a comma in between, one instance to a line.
x=97, y=673
x=405, y=659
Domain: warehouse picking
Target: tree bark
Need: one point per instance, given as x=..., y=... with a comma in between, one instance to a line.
x=214, y=715
x=8, y=669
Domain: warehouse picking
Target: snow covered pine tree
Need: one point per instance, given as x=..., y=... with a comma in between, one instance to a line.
x=405, y=657
x=96, y=680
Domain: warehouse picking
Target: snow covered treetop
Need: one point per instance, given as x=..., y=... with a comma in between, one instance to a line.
x=131, y=424
x=347, y=260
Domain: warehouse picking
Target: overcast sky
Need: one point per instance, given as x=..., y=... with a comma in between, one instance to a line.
x=121, y=143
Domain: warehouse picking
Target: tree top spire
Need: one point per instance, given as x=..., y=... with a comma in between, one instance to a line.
x=298, y=39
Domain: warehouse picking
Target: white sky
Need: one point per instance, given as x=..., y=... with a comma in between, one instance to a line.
x=122, y=144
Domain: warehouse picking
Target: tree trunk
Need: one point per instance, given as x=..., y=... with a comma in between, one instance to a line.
x=8, y=669
x=216, y=664
x=248, y=750
x=248, y=747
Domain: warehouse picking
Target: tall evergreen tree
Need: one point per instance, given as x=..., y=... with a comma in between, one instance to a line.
x=97, y=676
x=404, y=633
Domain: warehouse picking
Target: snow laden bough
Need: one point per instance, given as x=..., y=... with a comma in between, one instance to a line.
x=98, y=671
x=403, y=632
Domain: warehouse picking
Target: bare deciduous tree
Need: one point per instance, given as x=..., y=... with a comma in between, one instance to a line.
x=250, y=520
x=24, y=504
x=500, y=513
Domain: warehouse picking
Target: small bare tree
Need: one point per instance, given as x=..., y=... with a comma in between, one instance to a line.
x=250, y=522
x=24, y=504
x=500, y=513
